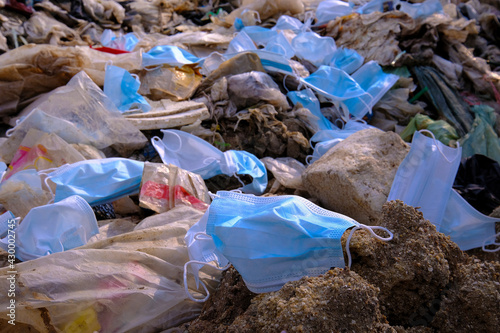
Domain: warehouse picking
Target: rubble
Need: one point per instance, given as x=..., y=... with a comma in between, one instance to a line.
x=354, y=178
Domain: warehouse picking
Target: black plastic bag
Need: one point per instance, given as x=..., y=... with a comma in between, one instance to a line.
x=478, y=182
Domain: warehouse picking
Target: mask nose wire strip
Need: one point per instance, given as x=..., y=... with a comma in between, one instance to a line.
x=370, y=229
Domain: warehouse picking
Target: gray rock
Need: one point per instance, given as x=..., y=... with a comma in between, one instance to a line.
x=355, y=177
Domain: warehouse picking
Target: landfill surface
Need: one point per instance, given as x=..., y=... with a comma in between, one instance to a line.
x=249, y=166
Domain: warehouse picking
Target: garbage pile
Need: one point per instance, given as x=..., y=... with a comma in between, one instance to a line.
x=249, y=166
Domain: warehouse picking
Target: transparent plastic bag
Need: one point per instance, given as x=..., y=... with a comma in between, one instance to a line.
x=41, y=151
x=79, y=113
x=164, y=187
x=131, y=282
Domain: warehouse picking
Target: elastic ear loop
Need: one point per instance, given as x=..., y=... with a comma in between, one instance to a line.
x=437, y=145
x=256, y=13
x=494, y=243
x=370, y=229
x=10, y=131
x=362, y=101
x=297, y=77
x=46, y=173
x=308, y=19
x=186, y=289
x=157, y=141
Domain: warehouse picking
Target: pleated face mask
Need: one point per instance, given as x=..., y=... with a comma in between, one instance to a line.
x=98, y=181
x=121, y=87
x=468, y=227
x=271, y=240
x=425, y=177
x=191, y=153
x=55, y=228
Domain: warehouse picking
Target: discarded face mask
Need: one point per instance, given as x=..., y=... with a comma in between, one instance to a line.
x=286, y=22
x=125, y=42
x=271, y=61
x=97, y=181
x=377, y=6
x=240, y=43
x=336, y=85
x=309, y=101
x=54, y=228
x=375, y=82
x=279, y=44
x=170, y=55
x=271, y=240
x=327, y=139
x=331, y=9
x=425, y=177
x=419, y=10
x=259, y=35
x=466, y=226
x=193, y=154
x=312, y=47
x=347, y=60
x=121, y=87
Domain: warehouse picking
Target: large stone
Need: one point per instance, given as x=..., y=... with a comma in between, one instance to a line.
x=354, y=178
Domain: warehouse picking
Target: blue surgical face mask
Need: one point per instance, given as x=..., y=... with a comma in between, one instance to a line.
x=314, y=48
x=417, y=10
x=121, y=87
x=98, y=181
x=240, y=43
x=347, y=60
x=259, y=35
x=331, y=9
x=273, y=240
x=466, y=226
x=425, y=177
x=308, y=100
x=279, y=44
x=328, y=139
x=193, y=154
x=286, y=22
x=376, y=6
x=125, y=42
x=336, y=85
x=55, y=228
x=170, y=55
x=375, y=82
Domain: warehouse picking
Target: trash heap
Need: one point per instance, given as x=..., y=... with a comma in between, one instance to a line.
x=249, y=166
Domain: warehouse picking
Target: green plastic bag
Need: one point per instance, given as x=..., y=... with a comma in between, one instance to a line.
x=482, y=138
x=443, y=131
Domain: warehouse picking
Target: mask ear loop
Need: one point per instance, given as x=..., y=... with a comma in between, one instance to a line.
x=437, y=145
x=46, y=173
x=186, y=289
x=308, y=159
x=494, y=243
x=370, y=229
x=157, y=141
x=213, y=195
x=10, y=131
